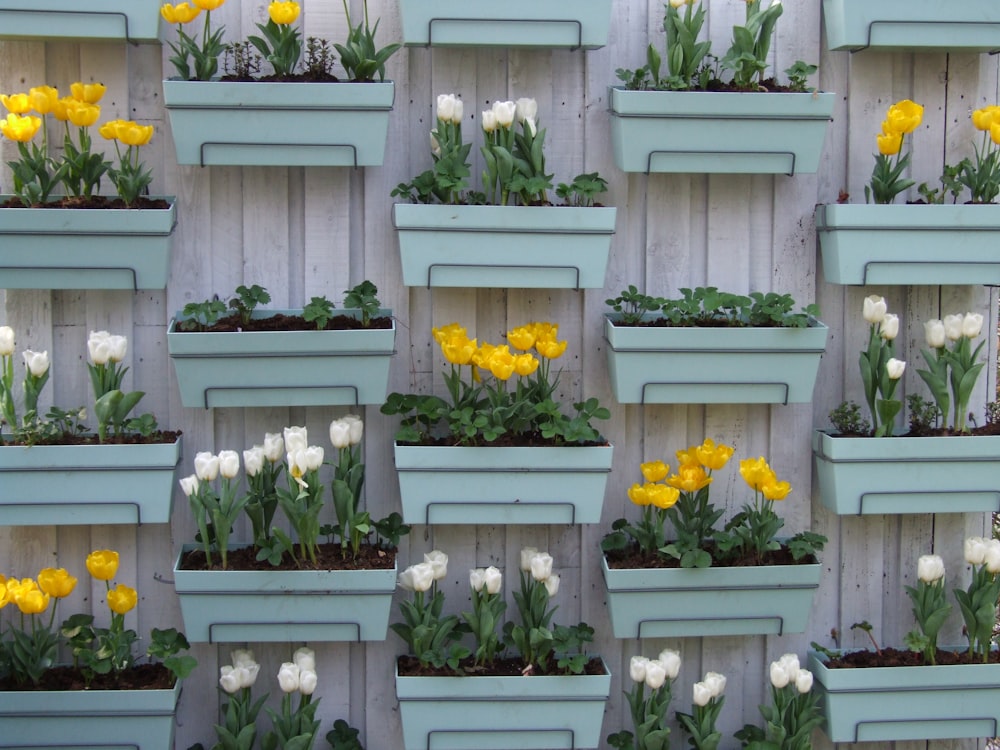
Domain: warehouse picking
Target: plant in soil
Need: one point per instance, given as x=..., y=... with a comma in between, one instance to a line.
x=690, y=66
x=515, y=161
x=297, y=544
x=530, y=646
x=216, y=316
x=977, y=605
x=70, y=178
x=707, y=307
x=748, y=538
x=793, y=713
x=112, y=405
x=496, y=396
x=103, y=657
x=196, y=55
x=649, y=712
x=707, y=704
x=951, y=375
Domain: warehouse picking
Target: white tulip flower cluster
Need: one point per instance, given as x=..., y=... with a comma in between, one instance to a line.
x=299, y=674
x=421, y=576
x=952, y=328
x=539, y=564
x=489, y=579
x=982, y=551
x=346, y=431
x=271, y=451
x=241, y=674
x=712, y=685
x=875, y=313
x=786, y=671
x=655, y=672
x=105, y=347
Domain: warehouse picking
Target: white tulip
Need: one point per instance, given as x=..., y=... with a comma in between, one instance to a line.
x=671, y=661
x=637, y=668
x=438, y=561
x=307, y=681
x=975, y=550
x=296, y=461
x=953, y=326
x=972, y=325
x=296, y=438
x=206, y=466
x=229, y=680
x=288, y=677
x=530, y=125
x=874, y=308
x=656, y=675
x=6, y=341
x=357, y=427
x=525, y=109
x=311, y=458
x=993, y=556
x=888, y=329
x=702, y=693
x=526, y=554
x=417, y=577
x=253, y=460
x=489, y=121
x=340, y=434
x=477, y=579
x=934, y=332
x=229, y=464
x=456, y=116
x=248, y=674
x=930, y=568
x=541, y=566
x=99, y=347
x=305, y=658
x=493, y=580
x=37, y=363
x=679, y=4
x=779, y=677
x=894, y=368
x=119, y=347
x=445, y=107
x=804, y=681
x=716, y=683
x=505, y=113
x=552, y=584
x=274, y=446
x=243, y=657
x=189, y=485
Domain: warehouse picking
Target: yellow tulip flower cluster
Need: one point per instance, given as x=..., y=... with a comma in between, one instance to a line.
x=32, y=596
x=902, y=118
x=80, y=108
x=761, y=477
x=128, y=132
x=988, y=119
x=499, y=360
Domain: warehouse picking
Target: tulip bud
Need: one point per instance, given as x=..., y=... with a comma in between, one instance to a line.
x=953, y=326
x=445, y=107
x=525, y=109
x=972, y=325
x=189, y=485
x=423, y=576
x=37, y=363
x=243, y=657
x=656, y=675
x=489, y=121
x=311, y=458
x=874, y=308
x=274, y=446
x=98, y=347
x=701, y=691
x=993, y=556
x=206, y=466
x=930, y=568
x=295, y=438
x=526, y=554
x=253, y=460
x=305, y=658
x=637, y=668
x=6, y=341
x=340, y=434
x=541, y=566
x=779, y=678
x=671, y=661
x=552, y=584
x=456, y=116
x=357, y=427
x=307, y=681
x=505, y=113
x=229, y=680
x=975, y=550
x=288, y=677
x=804, y=681
x=716, y=683
x=493, y=580
x=894, y=368
x=229, y=464
x=435, y=145
x=477, y=579
x=438, y=561
x=889, y=327
x=118, y=346
x=934, y=331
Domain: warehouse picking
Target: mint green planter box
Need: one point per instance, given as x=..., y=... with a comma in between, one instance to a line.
x=502, y=713
x=282, y=368
x=518, y=23
x=279, y=124
x=865, y=476
x=524, y=247
x=881, y=704
x=712, y=365
x=77, y=248
x=718, y=132
x=49, y=485
x=696, y=602
x=502, y=485
x=966, y=26
x=81, y=20
x=139, y=719
x=284, y=606
x=909, y=245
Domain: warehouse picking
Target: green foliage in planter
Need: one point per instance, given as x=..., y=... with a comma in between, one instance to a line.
x=708, y=307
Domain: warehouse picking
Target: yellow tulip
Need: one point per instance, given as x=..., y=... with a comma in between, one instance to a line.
x=103, y=564
x=209, y=4
x=889, y=144
x=458, y=349
x=31, y=601
x=110, y=129
x=20, y=129
x=481, y=356
x=83, y=115
x=756, y=472
x=445, y=332
x=62, y=107
x=43, y=99
x=638, y=495
x=689, y=478
x=56, y=582
x=654, y=471
x=525, y=364
x=180, y=13
x=776, y=490
x=122, y=599
x=713, y=456
x=904, y=117
x=283, y=12
x=501, y=363
x=90, y=93
x=17, y=104
x=661, y=496
x=522, y=338
x=545, y=331
x=4, y=596
x=132, y=134
x=688, y=456
x=995, y=132
x=550, y=349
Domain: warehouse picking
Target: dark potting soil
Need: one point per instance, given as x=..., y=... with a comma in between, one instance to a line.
x=156, y=438
x=94, y=201
x=891, y=657
x=282, y=322
x=328, y=557
x=140, y=677
x=507, y=440
x=632, y=557
x=409, y=666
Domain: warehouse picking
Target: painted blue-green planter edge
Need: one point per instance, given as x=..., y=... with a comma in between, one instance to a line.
x=81, y=20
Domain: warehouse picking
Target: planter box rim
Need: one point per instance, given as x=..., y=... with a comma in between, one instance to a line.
x=462, y=218
x=832, y=217
x=540, y=685
x=946, y=448
x=224, y=95
x=731, y=104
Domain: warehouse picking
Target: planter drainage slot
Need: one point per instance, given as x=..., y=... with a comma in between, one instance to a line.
x=575, y=22
x=574, y=270
x=918, y=22
x=989, y=722
x=750, y=156
x=277, y=149
x=110, y=13
x=530, y=733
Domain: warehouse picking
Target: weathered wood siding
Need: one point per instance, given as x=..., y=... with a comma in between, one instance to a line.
x=311, y=231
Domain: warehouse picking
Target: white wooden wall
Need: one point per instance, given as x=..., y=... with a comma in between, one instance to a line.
x=303, y=232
